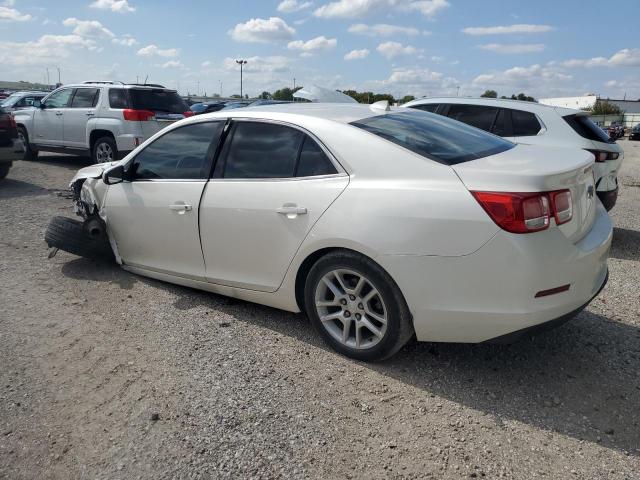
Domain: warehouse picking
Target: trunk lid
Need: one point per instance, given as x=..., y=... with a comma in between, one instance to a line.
x=539, y=169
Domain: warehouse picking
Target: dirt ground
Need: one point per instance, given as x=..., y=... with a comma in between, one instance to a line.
x=108, y=375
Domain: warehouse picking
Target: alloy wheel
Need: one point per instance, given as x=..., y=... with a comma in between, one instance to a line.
x=104, y=153
x=23, y=140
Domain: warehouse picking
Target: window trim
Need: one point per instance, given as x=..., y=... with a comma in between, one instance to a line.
x=218, y=176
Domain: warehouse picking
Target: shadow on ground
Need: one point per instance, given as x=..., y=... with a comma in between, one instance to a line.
x=10, y=188
x=625, y=244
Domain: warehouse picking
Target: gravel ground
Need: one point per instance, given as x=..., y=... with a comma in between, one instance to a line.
x=104, y=374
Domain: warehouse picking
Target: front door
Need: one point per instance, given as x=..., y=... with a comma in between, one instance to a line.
x=48, y=122
x=76, y=117
x=153, y=217
x=272, y=183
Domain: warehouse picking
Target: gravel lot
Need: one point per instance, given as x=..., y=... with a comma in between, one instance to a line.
x=105, y=374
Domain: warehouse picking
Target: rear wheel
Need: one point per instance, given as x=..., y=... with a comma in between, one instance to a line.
x=70, y=235
x=104, y=150
x=29, y=153
x=4, y=170
x=357, y=307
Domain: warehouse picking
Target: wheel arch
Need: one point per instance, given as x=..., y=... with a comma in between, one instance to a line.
x=99, y=133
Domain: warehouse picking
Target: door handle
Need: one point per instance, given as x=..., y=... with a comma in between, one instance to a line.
x=90, y=114
x=180, y=207
x=291, y=210
x=58, y=113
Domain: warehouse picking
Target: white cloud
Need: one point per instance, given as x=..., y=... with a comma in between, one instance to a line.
x=126, y=40
x=314, y=45
x=535, y=79
x=357, y=54
x=521, y=28
x=172, y=64
x=513, y=47
x=117, y=6
x=44, y=51
x=359, y=8
x=394, y=49
x=289, y=6
x=274, y=64
x=153, y=50
x=205, y=64
x=382, y=30
x=260, y=30
x=8, y=14
x=627, y=57
x=88, y=28
x=417, y=81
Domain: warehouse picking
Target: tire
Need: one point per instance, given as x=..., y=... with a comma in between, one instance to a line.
x=386, y=303
x=69, y=235
x=29, y=152
x=104, y=150
x=4, y=170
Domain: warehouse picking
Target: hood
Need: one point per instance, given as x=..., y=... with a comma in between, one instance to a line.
x=92, y=171
x=318, y=94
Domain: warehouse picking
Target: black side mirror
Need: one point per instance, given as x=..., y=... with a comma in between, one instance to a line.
x=114, y=175
x=42, y=106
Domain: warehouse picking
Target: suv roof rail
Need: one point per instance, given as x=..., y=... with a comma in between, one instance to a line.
x=108, y=82
x=156, y=85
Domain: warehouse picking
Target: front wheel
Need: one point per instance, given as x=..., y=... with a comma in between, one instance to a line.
x=4, y=170
x=104, y=150
x=29, y=153
x=357, y=307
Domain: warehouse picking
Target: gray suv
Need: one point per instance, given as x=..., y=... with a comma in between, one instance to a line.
x=104, y=120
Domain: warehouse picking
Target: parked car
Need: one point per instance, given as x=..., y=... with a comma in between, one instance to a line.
x=536, y=124
x=10, y=145
x=207, y=107
x=262, y=102
x=104, y=120
x=635, y=133
x=379, y=223
x=234, y=105
x=616, y=130
x=21, y=100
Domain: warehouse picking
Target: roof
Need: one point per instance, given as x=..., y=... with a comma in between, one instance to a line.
x=501, y=102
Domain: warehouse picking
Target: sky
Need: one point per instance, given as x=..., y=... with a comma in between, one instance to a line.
x=543, y=48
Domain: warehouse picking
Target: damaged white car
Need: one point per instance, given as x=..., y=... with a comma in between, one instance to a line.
x=379, y=223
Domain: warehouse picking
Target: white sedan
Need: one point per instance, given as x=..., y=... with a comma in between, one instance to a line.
x=379, y=223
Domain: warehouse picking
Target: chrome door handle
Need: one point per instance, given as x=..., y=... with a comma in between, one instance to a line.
x=291, y=210
x=180, y=207
x=58, y=113
x=90, y=114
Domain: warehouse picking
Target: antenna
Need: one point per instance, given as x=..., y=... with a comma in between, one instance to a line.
x=145, y=79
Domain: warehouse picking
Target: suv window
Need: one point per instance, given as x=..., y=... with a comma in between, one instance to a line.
x=157, y=100
x=262, y=150
x=478, y=116
x=433, y=136
x=584, y=127
x=183, y=153
x=427, y=107
x=118, y=98
x=85, y=98
x=59, y=99
x=313, y=161
x=525, y=124
x=502, y=125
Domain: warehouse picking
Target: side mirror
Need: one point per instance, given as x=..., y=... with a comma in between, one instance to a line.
x=114, y=175
x=42, y=105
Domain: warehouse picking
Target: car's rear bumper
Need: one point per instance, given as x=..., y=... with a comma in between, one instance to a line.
x=492, y=292
x=11, y=150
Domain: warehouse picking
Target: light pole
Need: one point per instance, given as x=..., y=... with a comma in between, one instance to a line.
x=241, y=63
x=458, y=91
x=221, y=88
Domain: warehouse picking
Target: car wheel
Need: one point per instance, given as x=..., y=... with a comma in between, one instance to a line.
x=29, y=153
x=105, y=150
x=4, y=170
x=357, y=307
x=70, y=235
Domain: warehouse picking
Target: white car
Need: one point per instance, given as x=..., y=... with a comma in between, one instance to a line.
x=378, y=223
x=536, y=124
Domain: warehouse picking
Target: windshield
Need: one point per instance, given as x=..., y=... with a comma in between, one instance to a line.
x=434, y=136
x=156, y=100
x=10, y=100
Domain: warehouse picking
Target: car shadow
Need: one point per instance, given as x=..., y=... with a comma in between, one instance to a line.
x=10, y=188
x=73, y=162
x=98, y=270
x=625, y=244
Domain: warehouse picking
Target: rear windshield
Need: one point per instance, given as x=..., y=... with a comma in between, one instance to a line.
x=434, y=136
x=157, y=100
x=584, y=127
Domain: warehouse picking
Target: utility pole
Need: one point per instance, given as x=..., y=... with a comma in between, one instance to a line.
x=198, y=89
x=294, y=83
x=59, y=82
x=48, y=82
x=220, y=88
x=241, y=63
x=458, y=91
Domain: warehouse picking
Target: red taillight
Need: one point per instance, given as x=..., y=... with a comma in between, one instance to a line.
x=137, y=115
x=526, y=212
x=603, y=156
x=188, y=113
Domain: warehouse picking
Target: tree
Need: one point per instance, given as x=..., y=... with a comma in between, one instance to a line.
x=370, y=97
x=265, y=95
x=490, y=94
x=523, y=97
x=285, y=94
x=407, y=98
x=602, y=107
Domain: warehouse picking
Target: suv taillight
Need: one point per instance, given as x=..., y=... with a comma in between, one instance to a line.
x=526, y=212
x=188, y=113
x=137, y=115
x=603, y=156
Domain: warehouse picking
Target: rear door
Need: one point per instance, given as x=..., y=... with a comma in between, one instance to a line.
x=80, y=111
x=271, y=185
x=48, y=122
x=166, y=105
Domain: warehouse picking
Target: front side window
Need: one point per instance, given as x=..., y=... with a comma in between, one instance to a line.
x=85, y=98
x=433, y=136
x=183, y=153
x=59, y=99
x=478, y=116
x=525, y=124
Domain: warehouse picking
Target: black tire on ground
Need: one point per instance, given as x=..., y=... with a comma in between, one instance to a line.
x=69, y=235
x=107, y=142
x=29, y=153
x=4, y=169
x=399, y=322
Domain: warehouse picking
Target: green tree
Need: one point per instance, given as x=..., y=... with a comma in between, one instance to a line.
x=407, y=98
x=523, y=97
x=265, y=95
x=285, y=94
x=490, y=94
x=602, y=107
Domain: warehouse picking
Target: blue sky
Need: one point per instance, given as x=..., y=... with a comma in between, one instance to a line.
x=420, y=47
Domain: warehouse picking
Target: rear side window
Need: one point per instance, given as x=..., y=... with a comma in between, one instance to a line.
x=433, y=136
x=85, y=98
x=313, y=161
x=584, y=127
x=477, y=116
x=118, y=98
x=262, y=150
x=427, y=107
x=183, y=153
x=502, y=125
x=525, y=124
x=157, y=100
